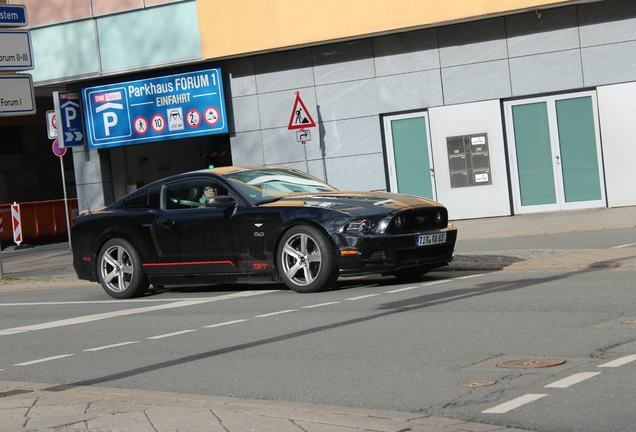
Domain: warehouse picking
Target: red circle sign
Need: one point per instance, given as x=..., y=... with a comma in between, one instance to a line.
x=57, y=150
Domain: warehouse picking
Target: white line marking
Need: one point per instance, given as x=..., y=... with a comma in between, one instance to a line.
x=401, y=289
x=515, y=403
x=107, y=315
x=436, y=282
x=624, y=246
x=470, y=277
x=571, y=380
x=362, y=297
x=225, y=323
x=275, y=313
x=319, y=305
x=128, y=301
x=620, y=361
x=43, y=360
x=110, y=346
x=171, y=334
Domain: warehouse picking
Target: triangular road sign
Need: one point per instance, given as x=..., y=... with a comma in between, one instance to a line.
x=300, y=117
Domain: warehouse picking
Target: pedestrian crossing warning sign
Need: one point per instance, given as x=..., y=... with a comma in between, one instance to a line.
x=300, y=117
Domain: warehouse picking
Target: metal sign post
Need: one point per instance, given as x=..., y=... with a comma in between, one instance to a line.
x=60, y=152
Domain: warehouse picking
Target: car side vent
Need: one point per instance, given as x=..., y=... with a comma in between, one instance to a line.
x=137, y=199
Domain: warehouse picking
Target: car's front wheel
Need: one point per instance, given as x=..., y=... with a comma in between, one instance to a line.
x=306, y=260
x=120, y=271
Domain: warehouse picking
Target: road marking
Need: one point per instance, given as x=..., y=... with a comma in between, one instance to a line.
x=319, y=305
x=43, y=360
x=225, y=323
x=275, y=313
x=401, y=289
x=624, y=246
x=571, y=380
x=362, y=297
x=110, y=346
x=470, y=277
x=437, y=282
x=115, y=314
x=515, y=403
x=620, y=361
x=171, y=334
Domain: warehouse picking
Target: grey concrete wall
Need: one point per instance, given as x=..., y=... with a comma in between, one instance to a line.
x=348, y=86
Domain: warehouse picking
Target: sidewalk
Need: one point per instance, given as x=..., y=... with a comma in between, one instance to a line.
x=41, y=407
x=51, y=408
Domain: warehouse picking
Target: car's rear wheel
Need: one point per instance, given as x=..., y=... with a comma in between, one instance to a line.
x=120, y=270
x=306, y=260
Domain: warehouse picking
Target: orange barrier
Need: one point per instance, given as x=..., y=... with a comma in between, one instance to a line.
x=42, y=222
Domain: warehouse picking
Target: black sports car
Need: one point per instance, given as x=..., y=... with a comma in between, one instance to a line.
x=236, y=224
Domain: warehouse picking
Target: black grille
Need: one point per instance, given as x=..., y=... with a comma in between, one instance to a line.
x=419, y=220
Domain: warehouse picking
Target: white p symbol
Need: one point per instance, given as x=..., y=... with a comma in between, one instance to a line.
x=110, y=119
x=71, y=114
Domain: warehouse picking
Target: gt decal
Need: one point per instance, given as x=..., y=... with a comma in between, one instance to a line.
x=260, y=266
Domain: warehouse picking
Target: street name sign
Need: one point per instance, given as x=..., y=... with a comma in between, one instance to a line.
x=16, y=95
x=70, y=129
x=13, y=15
x=156, y=109
x=16, y=51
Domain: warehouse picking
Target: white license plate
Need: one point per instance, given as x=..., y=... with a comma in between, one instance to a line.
x=430, y=239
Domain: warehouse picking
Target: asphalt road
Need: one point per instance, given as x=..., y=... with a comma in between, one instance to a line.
x=371, y=343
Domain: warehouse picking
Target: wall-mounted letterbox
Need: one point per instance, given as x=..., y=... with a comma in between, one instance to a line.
x=469, y=160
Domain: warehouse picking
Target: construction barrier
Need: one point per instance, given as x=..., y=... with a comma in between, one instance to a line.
x=42, y=222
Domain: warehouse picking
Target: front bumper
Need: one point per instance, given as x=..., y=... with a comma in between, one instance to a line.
x=389, y=253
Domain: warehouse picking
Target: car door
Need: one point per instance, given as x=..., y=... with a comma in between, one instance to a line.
x=192, y=239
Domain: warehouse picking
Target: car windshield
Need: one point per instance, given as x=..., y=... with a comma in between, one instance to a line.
x=271, y=184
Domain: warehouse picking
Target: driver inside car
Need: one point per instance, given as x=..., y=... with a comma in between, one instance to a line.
x=208, y=191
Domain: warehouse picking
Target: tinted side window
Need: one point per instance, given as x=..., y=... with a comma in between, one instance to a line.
x=191, y=193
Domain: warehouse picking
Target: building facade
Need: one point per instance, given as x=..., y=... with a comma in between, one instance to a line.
x=492, y=107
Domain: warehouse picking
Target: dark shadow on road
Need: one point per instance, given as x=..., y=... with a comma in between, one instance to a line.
x=387, y=309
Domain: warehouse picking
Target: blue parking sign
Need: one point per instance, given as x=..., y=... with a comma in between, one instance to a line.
x=163, y=108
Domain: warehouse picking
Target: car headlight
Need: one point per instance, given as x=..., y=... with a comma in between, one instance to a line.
x=359, y=226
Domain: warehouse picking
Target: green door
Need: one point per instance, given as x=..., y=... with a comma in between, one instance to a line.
x=409, y=155
x=555, y=153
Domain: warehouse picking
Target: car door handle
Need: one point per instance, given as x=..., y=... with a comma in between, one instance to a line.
x=167, y=223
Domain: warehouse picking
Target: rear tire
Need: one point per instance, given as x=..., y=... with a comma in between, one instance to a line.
x=120, y=270
x=306, y=260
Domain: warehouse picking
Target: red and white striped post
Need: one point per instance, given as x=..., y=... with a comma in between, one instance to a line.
x=16, y=223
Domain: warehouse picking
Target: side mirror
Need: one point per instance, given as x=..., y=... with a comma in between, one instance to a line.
x=220, y=201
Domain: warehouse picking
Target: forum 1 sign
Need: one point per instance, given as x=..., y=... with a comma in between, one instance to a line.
x=157, y=109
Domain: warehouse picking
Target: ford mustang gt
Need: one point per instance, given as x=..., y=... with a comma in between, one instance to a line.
x=241, y=224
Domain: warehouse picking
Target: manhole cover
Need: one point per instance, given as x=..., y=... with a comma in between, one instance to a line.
x=532, y=363
x=628, y=322
x=477, y=383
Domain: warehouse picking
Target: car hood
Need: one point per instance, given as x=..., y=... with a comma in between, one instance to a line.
x=356, y=203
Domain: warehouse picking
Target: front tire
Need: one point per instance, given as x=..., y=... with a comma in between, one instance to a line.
x=306, y=260
x=120, y=271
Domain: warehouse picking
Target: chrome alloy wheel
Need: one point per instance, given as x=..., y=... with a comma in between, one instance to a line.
x=301, y=259
x=117, y=269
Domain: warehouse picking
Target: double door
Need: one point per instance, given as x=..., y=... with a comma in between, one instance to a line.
x=555, y=153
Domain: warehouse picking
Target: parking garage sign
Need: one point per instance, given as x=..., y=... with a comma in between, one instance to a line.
x=164, y=108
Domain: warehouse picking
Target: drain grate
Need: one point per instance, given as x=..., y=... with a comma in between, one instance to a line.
x=532, y=363
x=477, y=383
